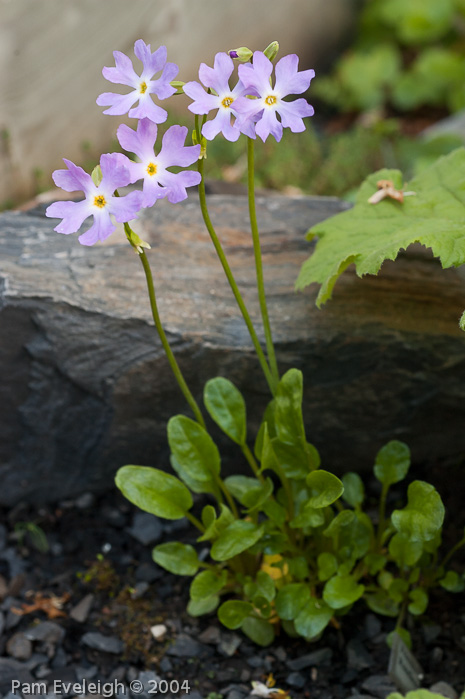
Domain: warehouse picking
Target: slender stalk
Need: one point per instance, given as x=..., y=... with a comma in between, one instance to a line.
x=195, y=522
x=258, y=260
x=382, y=516
x=271, y=380
x=164, y=341
x=229, y=498
x=453, y=550
x=252, y=462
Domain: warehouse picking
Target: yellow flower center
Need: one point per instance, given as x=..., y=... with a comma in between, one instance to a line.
x=100, y=201
x=143, y=87
x=227, y=101
x=151, y=169
x=270, y=100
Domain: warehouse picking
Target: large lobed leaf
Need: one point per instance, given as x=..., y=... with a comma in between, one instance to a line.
x=368, y=234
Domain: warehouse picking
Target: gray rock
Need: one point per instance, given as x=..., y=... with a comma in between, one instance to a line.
x=235, y=694
x=313, y=659
x=295, y=679
x=147, y=681
x=186, y=647
x=81, y=610
x=146, y=528
x=85, y=501
x=379, y=686
x=358, y=657
x=84, y=380
x=47, y=631
x=372, y=626
x=2, y=623
x=19, y=647
x=431, y=631
x=85, y=673
x=229, y=644
x=148, y=572
x=3, y=536
x=12, y=670
x=106, y=644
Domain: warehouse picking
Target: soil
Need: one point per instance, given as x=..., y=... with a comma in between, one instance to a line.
x=100, y=594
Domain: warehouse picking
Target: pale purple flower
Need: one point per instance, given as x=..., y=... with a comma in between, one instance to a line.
x=100, y=201
x=159, y=182
x=217, y=79
x=143, y=85
x=256, y=78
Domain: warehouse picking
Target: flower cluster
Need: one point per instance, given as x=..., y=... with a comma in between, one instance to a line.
x=251, y=107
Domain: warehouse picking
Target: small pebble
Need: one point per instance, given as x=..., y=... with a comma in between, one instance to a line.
x=146, y=528
x=229, y=644
x=358, y=657
x=47, y=631
x=19, y=647
x=295, y=679
x=316, y=658
x=106, y=644
x=379, y=686
x=81, y=610
x=85, y=501
x=159, y=632
x=211, y=634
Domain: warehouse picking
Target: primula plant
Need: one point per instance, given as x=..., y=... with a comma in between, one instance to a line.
x=290, y=545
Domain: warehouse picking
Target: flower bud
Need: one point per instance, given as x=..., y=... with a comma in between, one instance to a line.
x=96, y=175
x=242, y=54
x=178, y=84
x=462, y=321
x=271, y=50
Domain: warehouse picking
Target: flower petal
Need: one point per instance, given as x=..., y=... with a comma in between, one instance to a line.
x=148, y=110
x=123, y=73
x=269, y=124
x=221, y=124
x=74, y=179
x=152, y=62
x=101, y=229
x=292, y=113
x=73, y=214
x=218, y=76
x=176, y=184
x=162, y=87
x=140, y=142
x=114, y=174
x=151, y=192
x=119, y=104
x=126, y=208
x=174, y=152
x=258, y=74
x=288, y=80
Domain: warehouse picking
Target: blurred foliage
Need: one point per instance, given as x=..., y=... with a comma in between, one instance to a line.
x=407, y=54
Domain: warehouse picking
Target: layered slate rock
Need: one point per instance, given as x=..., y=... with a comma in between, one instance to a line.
x=85, y=387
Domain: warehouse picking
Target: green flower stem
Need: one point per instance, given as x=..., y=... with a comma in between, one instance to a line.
x=258, y=260
x=228, y=496
x=252, y=462
x=164, y=341
x=232, y=282
x=453, y=550
x=382, y=516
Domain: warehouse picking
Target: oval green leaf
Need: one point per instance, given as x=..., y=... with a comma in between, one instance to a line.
x=288, y=407
x=259, y=631
x=154, y=491
x=193, y=449
x=199, y=607
x=354, y=492
x=180, y=559
x=236, y=538
x=233, y=612
x=392, y=462
x=423, y=516
x=226, y=406
x=313, y=618
x=207, y=583
x=325, y=488
x=341, y=591
x=291, y=599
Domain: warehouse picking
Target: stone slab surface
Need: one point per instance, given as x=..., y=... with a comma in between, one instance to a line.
x=85, y=387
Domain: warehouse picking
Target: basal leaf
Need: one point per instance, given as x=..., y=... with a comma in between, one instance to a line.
x=259, y=631
x=237, y=537
x=423, y=516
x=325, y=488
x=354, y=491
x=288, y=408
x=368, y=234
x=313, y=618
x=180, y=559
x=199, y=607
x=392, y=462
x=226, y=406
x=291, y=599
x=154, y=491
x=193, y=449
x=233, y=612
x=207, y=583
x=341, y=591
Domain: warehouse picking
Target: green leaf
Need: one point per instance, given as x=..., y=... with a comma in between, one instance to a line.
x=239, y=486
x=292, y=458
x=405, y=552
x=226, y=406
x=236, y=538
x=207, y=583
x=154, y=491
x=368, y=234
x=233, y=613
x=308, y=517
x=259, y=631
x=341, y=591
x=419, y=601
x=381, y=603
x=325, y=488
x=213, y=525
x=265, y=585
x=193, y=450
x=354, y=492
x=199, y=607
x=180, y=559
x=288, y=407
x=407, y=639
x=452, y=582
x=392, y=463
x=339, y=522
x=327, y=566
x=418, y=21
x=462, y=321
x=291, y=599
x=256, y=497
x=313, y=619
x=423, y=516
